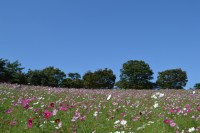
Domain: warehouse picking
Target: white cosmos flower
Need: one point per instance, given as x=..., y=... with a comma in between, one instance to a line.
x=59, y=125
x=123, y=122
x=161, y=95
x=35, y=103
x=109, y=96
x=154, y=96
x=193, y=92
x=116, y=122
x=139, y=128
x=151, y=122
x=155, y=105
x=95, y=113
x=191, y=129
x=157, y=94
x=52, y=121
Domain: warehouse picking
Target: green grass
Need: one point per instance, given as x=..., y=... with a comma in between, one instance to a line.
x=133, y=103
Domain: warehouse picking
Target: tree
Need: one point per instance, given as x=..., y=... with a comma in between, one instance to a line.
x=100, y=79
x=135, y=74
x=11, y=72
x=3, y=64
x=88, y=80
x=35, y=77
x=52, y=76
x=74, y=76
x=197, y=86
x=172, y=79
x=20, y=78
x=73, y=81
x=67, y=83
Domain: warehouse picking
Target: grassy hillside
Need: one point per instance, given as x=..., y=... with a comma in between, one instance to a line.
x=54, y=110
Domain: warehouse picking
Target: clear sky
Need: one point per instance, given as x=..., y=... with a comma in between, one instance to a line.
x=81, y=35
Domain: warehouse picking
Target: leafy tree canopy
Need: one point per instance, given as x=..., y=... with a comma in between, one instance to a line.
x=197, y=86
x=135, y=74
x=172, y=79
x=35, y=77
x=11, y=72
x=52, y=76
x=73, y=81
x=100, y=79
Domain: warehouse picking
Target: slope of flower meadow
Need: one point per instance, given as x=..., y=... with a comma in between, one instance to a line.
x=34, y=109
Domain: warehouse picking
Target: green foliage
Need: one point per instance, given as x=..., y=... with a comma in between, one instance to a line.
x=88, y=80
x=135, y=75
x=35, y=77
x=74, y=76
x=99, y=79
x=3, y=64
x=73, y=81
x=49, y=76
x=52, y=76
x=20, y=78
x=172, y=79
x=11, y=72
x=197, y=86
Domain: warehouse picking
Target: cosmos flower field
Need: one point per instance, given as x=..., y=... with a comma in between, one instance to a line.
x=31, y=109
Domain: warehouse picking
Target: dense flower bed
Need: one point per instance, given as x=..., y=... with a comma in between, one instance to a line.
x=44, y=109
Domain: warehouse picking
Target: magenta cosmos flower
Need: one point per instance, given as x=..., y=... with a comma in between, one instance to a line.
x=52, y=105
x=8, y=111
x=13, y=123
x=166, y=121
x=30, y=123
x=47, y=114
x=25, y=103
x=198, y=108
x=63, y=108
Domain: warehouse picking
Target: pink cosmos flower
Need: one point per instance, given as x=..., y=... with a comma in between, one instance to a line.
x=189, y=110
x=187, y=106
x=8, y=111
x=82, y=118
x=122, y=114
x=15, y=104
x=172, y=111
x=198, y=108
x=172, y=124
x=77, y=114
x=136, y=118
x=55, y=111
x=13, y=123
x=112, y=117
x=30, y=123
x=63, y=108
x=27, y=106
x=25, y=103
x=47, y=114
x=36, y=110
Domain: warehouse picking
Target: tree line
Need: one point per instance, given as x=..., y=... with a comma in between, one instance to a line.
x=135, y=74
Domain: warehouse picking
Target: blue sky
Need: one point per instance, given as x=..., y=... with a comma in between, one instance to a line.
x=82, y=35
